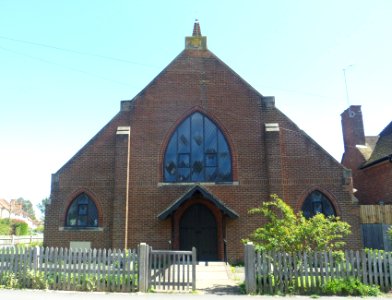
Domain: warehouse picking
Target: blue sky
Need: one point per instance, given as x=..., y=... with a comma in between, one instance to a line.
x=66, y=65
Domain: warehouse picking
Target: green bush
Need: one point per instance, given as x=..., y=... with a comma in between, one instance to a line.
x=9, y=280
x=283, y=230
x=5, y=227
x=20, y=228
x=37, y=280
x=39, y=229
x=349, y=287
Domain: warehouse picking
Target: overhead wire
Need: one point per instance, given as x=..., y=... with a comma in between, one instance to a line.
x=64, y=66
x=113, y=59
x=78, y=52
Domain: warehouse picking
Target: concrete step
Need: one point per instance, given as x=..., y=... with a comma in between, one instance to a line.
x=211, y=263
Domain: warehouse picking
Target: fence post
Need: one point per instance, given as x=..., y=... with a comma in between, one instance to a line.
x=35, y=258
x=250, y=268
x=194, y=257
x=144, y=267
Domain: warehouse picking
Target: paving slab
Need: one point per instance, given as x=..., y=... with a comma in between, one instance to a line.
x=217, y=278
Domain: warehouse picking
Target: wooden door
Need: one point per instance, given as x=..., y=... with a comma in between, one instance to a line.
x=198, y=229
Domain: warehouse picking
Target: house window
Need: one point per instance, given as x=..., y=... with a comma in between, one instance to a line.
x=82, y=213
x=197, y=152
x=315, y=203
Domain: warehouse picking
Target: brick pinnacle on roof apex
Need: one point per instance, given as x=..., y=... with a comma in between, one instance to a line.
x=196, y=29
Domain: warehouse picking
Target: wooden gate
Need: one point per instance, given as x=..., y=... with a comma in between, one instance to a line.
x=172, y=270
x=375, y=222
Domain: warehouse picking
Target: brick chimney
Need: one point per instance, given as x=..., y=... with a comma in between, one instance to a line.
x=352, y=127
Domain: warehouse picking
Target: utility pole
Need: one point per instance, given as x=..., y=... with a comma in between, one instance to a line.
x=345, y=83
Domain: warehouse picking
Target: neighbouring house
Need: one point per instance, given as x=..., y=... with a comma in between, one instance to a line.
x=181, y=164
x=370, y=159
x=4, y=209
x=14, y=211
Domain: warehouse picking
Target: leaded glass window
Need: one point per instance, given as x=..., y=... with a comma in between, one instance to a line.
x=82, y=212
x=315, y=203
x=197, y=152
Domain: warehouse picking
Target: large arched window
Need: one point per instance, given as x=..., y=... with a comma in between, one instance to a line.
x=82, y=212
x=315, y=203
x=197, y=152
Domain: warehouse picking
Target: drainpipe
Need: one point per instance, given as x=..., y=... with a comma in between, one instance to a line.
x=127, y=190
x=123, y=145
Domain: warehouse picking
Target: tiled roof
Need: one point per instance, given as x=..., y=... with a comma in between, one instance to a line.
x=189, y=194
x=367, y=149
x=383, y=148
x=371, y=141
x=4, y=204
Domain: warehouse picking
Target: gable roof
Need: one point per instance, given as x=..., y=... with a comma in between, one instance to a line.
x=206, y=194
x=192, y=61
x=383, y=148
x=4, y=204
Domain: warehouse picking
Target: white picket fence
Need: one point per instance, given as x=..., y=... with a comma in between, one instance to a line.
x=73, y=269
x=10, y=240
x=272, y=272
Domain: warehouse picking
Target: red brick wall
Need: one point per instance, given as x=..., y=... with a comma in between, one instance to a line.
x=196, y=80
x=376, y=184
x=373, y=184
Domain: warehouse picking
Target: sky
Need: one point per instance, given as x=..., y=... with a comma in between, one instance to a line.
x=66, y=65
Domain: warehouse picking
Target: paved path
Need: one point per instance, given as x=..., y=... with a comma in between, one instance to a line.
x=60, y=295
x=218, y=278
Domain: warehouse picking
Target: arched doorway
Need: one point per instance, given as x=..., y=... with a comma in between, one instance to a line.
x=198, y=228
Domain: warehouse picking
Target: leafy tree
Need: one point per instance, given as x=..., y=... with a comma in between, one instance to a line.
x=289, y=232
x=27, y=207
x=42, y=206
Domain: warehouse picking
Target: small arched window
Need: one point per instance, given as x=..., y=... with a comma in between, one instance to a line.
x=82, y=212
x=197, y=152
x=316, y=202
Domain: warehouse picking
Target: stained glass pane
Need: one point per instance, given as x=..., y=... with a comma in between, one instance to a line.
x=224, y=159
x=197, y=147
x=83, y=199
x=197, y=130
x=83, y=210
x=71, y=220
x=328, y=209
x=211, y=173
x=92, y=215
x=183, y=174
x=315, y=203
x=211, y=142
x=197, y=152
x=92, y=221
x=72, y=214
x=197, y=171
x=183, y=137
x=171, y=159
x=82, y=215
x=211, y=160
x=82, y=221
x=183, y=160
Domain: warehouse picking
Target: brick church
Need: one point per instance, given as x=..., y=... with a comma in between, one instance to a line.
x=181, y=164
